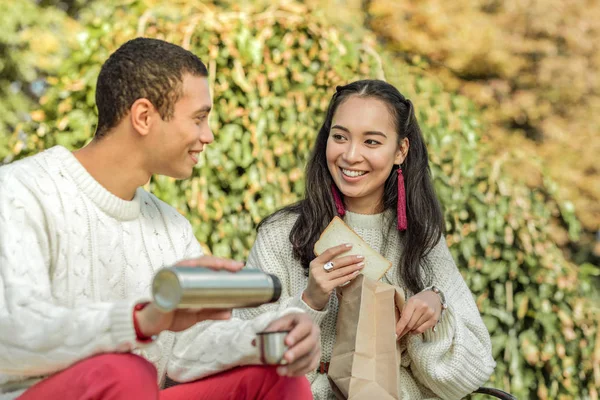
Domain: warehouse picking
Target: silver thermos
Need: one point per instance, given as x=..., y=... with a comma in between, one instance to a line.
x=199, y=287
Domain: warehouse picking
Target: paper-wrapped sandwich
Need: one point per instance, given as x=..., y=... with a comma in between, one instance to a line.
x=337, y=232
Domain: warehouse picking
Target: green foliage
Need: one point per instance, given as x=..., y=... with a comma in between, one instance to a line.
x=32, y=45
x=272, y=72
x=532, y=67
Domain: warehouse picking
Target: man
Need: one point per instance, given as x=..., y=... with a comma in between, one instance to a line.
x=80, y=241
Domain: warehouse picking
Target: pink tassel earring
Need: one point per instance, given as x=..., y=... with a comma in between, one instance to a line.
x=339, y=206
x=402, y=221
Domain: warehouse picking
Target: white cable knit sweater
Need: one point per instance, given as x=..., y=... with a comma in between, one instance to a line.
x=448, y=364
x=74, y=259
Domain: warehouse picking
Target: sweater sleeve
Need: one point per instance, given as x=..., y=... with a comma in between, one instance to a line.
x=37, y=336
x=213, y=346
x=457, y=358
x=272, y=253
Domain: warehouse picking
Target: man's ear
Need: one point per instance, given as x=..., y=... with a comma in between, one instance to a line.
x=402, y=151
x=142, y=112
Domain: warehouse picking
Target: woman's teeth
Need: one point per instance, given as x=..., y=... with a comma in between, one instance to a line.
x=350, y=173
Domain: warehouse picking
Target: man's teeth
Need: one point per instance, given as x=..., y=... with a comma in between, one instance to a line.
x=353, y=173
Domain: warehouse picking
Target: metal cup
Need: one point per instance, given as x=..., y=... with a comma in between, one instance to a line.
x=272, y=347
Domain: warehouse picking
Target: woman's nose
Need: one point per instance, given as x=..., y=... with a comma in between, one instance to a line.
x=351, y=154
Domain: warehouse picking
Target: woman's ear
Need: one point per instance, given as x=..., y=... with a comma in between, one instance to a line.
x=402, y=151
x=141, y=113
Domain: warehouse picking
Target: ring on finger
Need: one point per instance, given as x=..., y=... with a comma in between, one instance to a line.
x=328, y=266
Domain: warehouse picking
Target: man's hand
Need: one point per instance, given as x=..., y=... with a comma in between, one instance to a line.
x=152, y=321
x=303, y=341
x=211, y=262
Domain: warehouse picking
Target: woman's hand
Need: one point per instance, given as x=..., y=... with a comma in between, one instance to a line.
x=421, y=312
x=321, y=281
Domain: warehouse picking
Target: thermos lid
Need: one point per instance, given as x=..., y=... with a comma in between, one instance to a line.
x=276, y=288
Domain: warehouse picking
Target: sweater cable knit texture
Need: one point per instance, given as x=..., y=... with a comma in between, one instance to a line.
x=448, y=363
x=75, y=259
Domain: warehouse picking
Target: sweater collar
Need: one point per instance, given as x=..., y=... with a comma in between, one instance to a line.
x=367, y=221
x=112, y=205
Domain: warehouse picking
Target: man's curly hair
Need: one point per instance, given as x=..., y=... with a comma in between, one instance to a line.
x=142, y=68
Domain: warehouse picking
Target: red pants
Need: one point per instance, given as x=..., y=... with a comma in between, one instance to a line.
x=129, y=377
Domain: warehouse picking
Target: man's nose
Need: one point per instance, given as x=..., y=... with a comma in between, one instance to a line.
x=206, y=136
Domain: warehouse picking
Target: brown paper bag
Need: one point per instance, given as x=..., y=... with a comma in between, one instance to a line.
x=365, y=360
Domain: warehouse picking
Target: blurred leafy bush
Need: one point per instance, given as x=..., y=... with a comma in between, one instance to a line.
x=273, y=70
x=532, y=66
x=33, y=44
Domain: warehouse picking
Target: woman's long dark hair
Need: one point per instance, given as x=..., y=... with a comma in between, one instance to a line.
x=424, y=214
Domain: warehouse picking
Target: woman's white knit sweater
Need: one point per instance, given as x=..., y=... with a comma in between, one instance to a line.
x=74, y=259
x=448, y=363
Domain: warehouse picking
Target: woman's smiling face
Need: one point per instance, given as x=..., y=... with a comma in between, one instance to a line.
x=362, y=149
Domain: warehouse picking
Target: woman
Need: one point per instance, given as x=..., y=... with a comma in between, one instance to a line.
x=370, y=167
